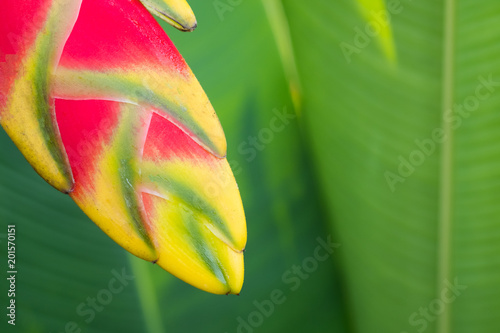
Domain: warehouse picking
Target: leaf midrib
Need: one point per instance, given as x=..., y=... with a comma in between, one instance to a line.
x=280, y=28
x=446, y=170
x=146, y=294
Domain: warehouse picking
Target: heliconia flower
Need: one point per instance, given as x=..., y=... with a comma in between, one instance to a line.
x=126, y=128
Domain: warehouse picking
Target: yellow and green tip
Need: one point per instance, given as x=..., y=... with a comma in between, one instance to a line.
x=177, y=13
x=120, y=123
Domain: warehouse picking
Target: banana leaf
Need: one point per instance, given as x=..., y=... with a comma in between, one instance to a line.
x=401, y=105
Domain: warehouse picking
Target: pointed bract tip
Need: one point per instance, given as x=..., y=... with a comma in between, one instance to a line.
x=177, y=13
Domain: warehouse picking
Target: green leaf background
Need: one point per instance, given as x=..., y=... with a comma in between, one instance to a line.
x=323, y=175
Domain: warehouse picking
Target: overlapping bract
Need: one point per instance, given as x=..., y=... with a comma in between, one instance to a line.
x=103, y=106
x=31, y=46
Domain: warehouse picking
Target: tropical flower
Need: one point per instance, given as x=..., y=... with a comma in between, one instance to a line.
x=103, y=106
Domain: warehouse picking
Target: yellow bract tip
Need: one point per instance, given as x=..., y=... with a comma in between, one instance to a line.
x=175, y=12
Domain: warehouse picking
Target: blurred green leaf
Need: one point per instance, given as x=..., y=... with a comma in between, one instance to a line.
x=403, y=238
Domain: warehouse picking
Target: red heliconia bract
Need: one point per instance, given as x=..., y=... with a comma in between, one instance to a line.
x=103, y=106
